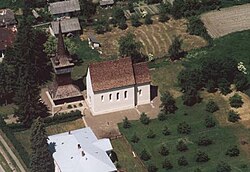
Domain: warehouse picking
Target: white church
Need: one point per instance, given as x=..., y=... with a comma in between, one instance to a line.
x=117, y=85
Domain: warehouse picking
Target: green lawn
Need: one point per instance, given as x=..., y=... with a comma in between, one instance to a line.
x=4, y=164
x=24, y=136
x=7, y=110
x=223, y=137
x=125, y=157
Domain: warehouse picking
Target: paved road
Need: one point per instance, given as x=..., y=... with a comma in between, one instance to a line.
x=13, y=156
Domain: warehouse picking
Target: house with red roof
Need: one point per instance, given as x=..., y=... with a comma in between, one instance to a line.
x=117, y=85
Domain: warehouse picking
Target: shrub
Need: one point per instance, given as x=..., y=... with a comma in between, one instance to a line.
x=201, y=157
x=167, y=164
x=80, y=104
x=236, y=101
x=144, y=118
x=135, y=138
x=241, y=82
x=152, y=168
x=209, y=122
x=166, y=131
x=197, y=170
x=233, y=116
x=183, y=128
x=204, y=141
x=151, y=134
x=148, y=19
x=223, y=167
x=75, y=106
x=233, y=151
x=168, y=103
x=69, y=106
x=212, y=106
x=145, y=155
x=162, y=116
x=135, y=21
x=126, y=123
x=164, y=151
x=182, y=161
x=181, y=146
x=122, y=25
x=224, y=86
x=211, y=86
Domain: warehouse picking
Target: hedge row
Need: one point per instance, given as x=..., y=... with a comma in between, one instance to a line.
x=59, y=118
x=18, y=146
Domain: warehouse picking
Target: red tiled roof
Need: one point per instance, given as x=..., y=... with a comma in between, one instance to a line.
x=117, y=73
x=7, y=37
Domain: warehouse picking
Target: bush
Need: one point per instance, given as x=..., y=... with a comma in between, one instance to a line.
x=236, y=101
x=201, y=157
x=144, y=118
x=211, y=86
x=233, y=116
x=126, y=123
x=212, y=106
x=233, y=151
x=241, y=82
x=182, y=161
x=164, y=151
x=151, y=134
x=181, y=146
x=223, y=167
x=135, y=21
x=122, y=25
x=148, y=19
x=166, y=131
x=135, y=138
x=183, y=128
x=162, y=116
x=80, y=104
x=152, y=168
x=167, y=164
x=209, y=122
x=69, y=106
x=204, y=141
x=168, y=103
x=224, y=86
x=197, y=170
x=145, y=155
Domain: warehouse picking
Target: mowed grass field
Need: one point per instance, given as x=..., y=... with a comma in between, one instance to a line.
x=222, y=137
x=155, y=38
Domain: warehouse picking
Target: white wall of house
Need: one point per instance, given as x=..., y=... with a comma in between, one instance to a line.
x=113, y=100
x=1, y=56
x=143, y=94
x=90, y=93
x=57, y=169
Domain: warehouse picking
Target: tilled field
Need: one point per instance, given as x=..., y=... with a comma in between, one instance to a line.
x=227, y=20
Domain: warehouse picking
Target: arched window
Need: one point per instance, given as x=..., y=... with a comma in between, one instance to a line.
x=110, y=97
x=126, y=94
x=140, y=92
x=117, y=96
x=102, y=98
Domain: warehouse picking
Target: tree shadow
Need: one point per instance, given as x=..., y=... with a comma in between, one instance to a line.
x=80, y=84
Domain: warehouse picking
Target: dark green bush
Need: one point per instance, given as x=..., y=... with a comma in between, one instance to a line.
x=223, y=167
x=233, y=116
x=164, y=151
x=144, y=118
x=204, y=141
x=126, y=123
x=236, y=101
x=233, y=151
x=166, y=164
x=135, y=138
x=151, y=134
x=144, y=155
x=181, y=146
x=209, y=122
x=166, y=131
x=201, y=157
x=182, y=161
x=184, y=128
x=211, y=106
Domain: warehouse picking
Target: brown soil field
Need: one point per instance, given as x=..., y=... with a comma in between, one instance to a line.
x=155, y=38
x=227, y=20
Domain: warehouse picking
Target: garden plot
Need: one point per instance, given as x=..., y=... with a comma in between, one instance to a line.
x=227, y=20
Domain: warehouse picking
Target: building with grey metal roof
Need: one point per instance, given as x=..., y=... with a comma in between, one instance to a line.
x=62, y=7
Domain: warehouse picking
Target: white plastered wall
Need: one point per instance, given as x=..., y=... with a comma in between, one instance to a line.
x=143, y=94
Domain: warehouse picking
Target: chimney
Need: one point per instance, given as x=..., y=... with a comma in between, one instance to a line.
x=79, y=146
x=83, y=154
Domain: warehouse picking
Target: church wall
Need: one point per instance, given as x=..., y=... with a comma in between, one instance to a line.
x=143, y=94
x=90, y=93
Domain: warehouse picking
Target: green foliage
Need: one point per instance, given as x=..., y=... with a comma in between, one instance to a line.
x=236, y=101
x=204, y=141
x=175, y=49
x=144, y=155
x=191, y=97
x=182, y=161
x=166, y=131
x=88, y=8
x=131, y=7
x=223, y=167
x=166, y=164
x=144, y=118
x=233, y=116
x=224, y=86
x=148, y=20
x=209, y=122
x=40, y=149
x=241, y=82
x=183, y=128
x=162, y=116
x=233, y=151
x=181, y=146
x=152, y=168
x=164, y=151
x=168, y=103
x=212, y=106
x=201, y=157
x=211, y=86
x=164, y=11
x=118, y=15
x=122, y=25
x=135, y=21
x=151, y=134
x=50, y=45
x=126, y=123
x=135, y=138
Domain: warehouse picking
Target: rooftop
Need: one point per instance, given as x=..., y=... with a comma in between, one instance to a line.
x=81, y=151
x=118, y=73
x=67, y=25
x=106, y=2
x=7, y=37
x=7, y=17
x=61, y=7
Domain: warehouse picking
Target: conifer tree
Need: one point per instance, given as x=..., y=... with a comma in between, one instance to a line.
x=41, y=158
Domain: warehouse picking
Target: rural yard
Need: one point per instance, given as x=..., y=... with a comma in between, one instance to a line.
x=227, y=20
x=155, y=38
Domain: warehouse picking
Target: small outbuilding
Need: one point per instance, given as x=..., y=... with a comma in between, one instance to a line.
x=64, y=8
x=106, y=3
x=7, y=18
x=68, y=26
x=93, y=42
